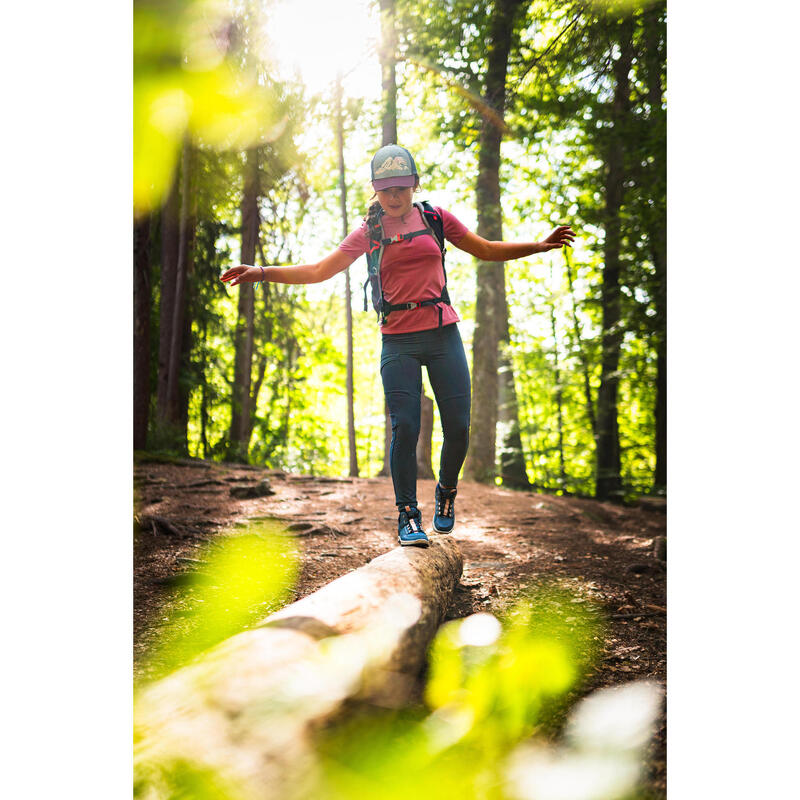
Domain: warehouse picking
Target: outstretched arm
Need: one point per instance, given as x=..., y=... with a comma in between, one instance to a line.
x=329, y=266
x=485, y=250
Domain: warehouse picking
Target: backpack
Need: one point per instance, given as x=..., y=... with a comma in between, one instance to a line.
x=378, y=242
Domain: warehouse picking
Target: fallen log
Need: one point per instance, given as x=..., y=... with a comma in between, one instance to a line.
x=243, y=715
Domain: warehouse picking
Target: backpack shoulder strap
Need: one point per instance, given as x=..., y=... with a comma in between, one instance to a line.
x=375, y=248
x=433, y=220
x=374, y=237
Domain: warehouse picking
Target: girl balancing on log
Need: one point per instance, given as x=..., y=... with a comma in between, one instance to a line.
x=404, y=244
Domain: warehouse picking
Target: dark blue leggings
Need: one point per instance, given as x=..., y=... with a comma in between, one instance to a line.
x=402, y=359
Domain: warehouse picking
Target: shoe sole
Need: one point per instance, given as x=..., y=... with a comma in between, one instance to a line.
x=438, y=531
x=420, y=543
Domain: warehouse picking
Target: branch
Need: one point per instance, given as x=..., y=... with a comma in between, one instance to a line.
x=547, y=50
x=474, y=99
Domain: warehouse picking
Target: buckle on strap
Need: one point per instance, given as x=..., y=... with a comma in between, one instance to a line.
x=409, y=306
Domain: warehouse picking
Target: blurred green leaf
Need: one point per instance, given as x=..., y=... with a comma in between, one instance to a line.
x=187, y=81
x=503, y=684
x=182, y=780
x=244, y=578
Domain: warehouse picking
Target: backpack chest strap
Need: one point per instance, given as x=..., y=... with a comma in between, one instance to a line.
x=401, y=237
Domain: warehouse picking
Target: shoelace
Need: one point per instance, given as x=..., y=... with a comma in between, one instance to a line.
x=412, y=524
x=445, y=504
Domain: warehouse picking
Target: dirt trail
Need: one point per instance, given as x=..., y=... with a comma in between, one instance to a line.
x=601, y=551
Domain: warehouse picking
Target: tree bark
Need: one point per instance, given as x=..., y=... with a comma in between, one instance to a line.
x=490, y=276
x=185, y=387
x=387, y=54
x=559, y=392
x=425, y=440
x=178, y=310
x=142, y=301
x=348, y=305
x=386, y=469
x=660, y=477
x=653, y=60
x=576, y=329
x=238, y=438
x=245, y=712
x=513, y=469
x=608, y=484
x=205, y=449
x=166, y=308
x=388, y=58
x=262, y=358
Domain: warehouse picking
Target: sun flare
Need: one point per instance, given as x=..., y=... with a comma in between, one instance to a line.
x=316, y=40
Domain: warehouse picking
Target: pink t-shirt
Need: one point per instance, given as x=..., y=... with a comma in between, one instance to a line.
x=411, y=270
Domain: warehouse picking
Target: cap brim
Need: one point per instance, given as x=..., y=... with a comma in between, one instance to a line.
x=402, y=181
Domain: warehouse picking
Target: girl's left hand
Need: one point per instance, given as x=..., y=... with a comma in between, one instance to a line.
x=561, y=236
x=236, y=275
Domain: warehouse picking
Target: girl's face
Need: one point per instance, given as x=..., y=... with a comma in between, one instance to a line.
x=396, y=200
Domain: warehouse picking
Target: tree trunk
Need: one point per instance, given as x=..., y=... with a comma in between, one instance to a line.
x=244, y=713
x=348, y=305
x=142, y=299
x=178, y=309
x=388, y=58
x=166, y=308
x=559, y=392
x=490, y=276
x=576, y=329
x=660, y=477
x=608, y=485
x=205, y=449
x=387, y=53
x=262, y=359
x=238, y=438
x=513, y=469
x=386, y=469
x=292, y=351
x=653, y=60
x=425, y=441
x=185, y=387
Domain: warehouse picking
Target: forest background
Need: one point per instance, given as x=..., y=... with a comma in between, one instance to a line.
x=253, y=146
x=733, y=290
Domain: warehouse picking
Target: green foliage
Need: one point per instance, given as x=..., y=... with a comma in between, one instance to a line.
x=552, y=172
x=182, y=780
x=244, y=577
x=490, y=686
x=188, y=80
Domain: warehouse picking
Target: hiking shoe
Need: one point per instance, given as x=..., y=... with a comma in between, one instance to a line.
x=409, y=528
x=444, y=515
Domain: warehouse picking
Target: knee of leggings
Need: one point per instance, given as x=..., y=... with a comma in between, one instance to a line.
x=456, y=429
x=405, y=426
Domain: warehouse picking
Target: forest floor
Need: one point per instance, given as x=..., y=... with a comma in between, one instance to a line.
x=509, y=539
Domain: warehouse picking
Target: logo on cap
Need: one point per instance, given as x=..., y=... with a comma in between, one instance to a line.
x=392, y=164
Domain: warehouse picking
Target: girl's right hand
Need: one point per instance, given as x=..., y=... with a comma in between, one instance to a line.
x=240, y=274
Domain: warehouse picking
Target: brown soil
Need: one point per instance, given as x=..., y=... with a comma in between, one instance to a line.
x=604, y=552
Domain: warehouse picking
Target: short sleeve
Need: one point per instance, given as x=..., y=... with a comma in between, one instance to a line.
x=356, y=242
x=454, y=228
